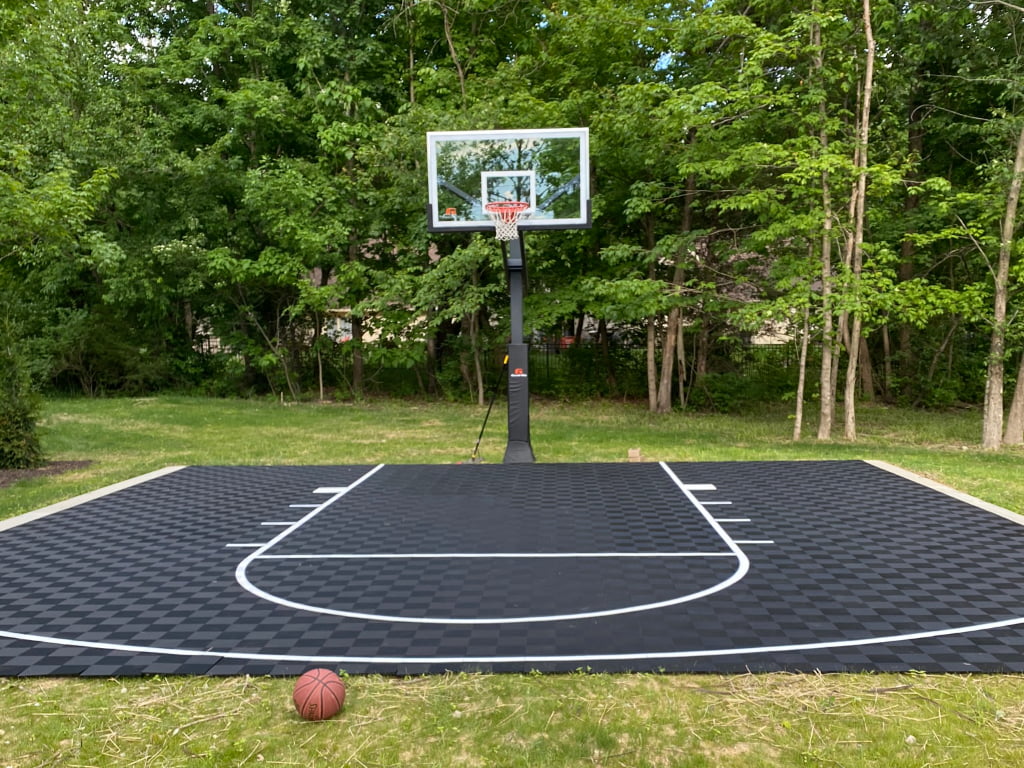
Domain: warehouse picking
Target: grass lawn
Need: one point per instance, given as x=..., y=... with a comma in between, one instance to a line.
x=505, y=720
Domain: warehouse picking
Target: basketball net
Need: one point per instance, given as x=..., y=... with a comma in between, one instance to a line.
x=506, y=215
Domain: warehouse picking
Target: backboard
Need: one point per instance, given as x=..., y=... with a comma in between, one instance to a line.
x=549, y=168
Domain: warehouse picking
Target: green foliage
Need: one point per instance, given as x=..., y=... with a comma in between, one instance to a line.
x=189, y=177
x=19, y=405
x=19, y=441
x=744, y=378
x=587, y=371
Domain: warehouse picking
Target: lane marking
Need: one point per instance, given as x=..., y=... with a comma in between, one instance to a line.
x=742, y=567
x=575, y=658
x=688, y=492
x=491, y=555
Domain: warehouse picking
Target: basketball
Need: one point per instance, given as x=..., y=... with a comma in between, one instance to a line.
x=319, y=694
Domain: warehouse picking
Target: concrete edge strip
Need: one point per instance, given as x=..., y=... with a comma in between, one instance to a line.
x=60, y=506
x=958, y=495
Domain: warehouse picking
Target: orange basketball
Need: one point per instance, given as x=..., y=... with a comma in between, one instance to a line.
x=319, y=694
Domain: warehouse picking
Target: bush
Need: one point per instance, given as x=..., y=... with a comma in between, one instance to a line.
x=19, y=405
x=19, y=443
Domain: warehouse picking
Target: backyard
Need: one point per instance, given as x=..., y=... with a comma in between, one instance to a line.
x=581, y=719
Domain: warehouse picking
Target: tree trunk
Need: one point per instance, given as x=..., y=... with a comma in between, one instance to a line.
x=907, y=354
x=887, y=372
x=354, y=254
x=478, y=371
x=826, y=386
x=681, y=366
x=652, y=366
x=652, y=328
x=1014, y=434
x=798, y=417
x=867, y=374
x=604, y=344
x=703, y=350
x=431, y=361
x=663, y=402
x=357, y=355
x=850, y=388
x=857, y=253
x=662, y=399
x=320, y=373
x=992, y=420
x=450, y=39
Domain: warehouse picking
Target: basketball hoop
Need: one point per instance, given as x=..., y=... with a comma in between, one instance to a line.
x=506, y=215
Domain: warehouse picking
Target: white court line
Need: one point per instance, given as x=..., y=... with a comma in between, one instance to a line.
x=687, y=490
x=743, y=566
x=303, y=506
x=713, y=503
x=733, y=519
x=584, y=658
x=755, y=541
x=492, y=555
x=574, y=658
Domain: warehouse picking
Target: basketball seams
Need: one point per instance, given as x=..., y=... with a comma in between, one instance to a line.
x=329, y=690
x=319, y=694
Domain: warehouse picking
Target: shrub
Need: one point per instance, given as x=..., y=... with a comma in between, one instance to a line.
x=19, y=406
x=19, y=443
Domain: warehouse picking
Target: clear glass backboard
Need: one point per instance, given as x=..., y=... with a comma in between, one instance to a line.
x=548, y=168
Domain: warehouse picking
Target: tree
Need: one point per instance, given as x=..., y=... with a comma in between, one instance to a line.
x=992, y=429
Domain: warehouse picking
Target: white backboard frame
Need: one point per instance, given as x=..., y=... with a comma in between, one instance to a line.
x=470, y=216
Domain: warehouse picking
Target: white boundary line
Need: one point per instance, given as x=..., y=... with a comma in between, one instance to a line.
x=60, y=506
x=742, y=567
x=575, y=658
x=491, y=555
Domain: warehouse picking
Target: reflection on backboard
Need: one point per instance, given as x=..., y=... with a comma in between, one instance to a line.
x=549, y=168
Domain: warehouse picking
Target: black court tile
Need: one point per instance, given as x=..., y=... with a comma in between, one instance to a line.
x=708, y=567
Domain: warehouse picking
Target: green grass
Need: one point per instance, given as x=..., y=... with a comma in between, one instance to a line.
x=748, y=721
x=127, y=437
x=853, y=721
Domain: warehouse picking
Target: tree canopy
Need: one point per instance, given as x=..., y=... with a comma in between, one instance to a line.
x=229, y=196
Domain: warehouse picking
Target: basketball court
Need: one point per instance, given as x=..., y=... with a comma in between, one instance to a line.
x=404, y=569
x=407, y=569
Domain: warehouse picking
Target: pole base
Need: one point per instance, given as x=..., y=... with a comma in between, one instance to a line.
x=518, y=452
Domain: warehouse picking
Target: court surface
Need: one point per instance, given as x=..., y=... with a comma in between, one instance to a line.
x=407, y=569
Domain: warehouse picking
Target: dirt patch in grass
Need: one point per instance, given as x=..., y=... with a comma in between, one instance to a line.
x=12, y=476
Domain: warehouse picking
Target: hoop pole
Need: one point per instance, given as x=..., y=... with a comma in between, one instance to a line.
x=518, y=450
